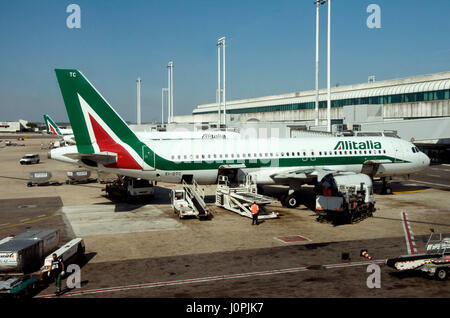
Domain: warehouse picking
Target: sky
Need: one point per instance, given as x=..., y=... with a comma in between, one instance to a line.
x=270, y=49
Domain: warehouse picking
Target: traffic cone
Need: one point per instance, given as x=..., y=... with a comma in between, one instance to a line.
x=365, y=254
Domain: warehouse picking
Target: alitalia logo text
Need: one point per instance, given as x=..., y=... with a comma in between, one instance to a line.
x=354, y=145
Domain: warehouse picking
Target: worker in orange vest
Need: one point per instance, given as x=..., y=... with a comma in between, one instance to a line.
x=255, y=212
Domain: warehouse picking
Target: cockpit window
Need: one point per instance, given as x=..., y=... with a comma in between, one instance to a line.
x=413, y=149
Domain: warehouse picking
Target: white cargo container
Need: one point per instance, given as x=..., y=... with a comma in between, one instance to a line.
x=50, y=238
x=21, y=255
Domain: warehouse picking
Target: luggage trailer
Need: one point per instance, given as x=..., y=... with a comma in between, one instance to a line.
x=239, y=199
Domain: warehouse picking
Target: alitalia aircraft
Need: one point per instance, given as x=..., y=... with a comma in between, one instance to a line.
x=53, y=129
x=106, y=143
x=67, y=134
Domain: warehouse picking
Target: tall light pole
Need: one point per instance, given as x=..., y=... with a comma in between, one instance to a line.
x=138, y=84
x=316, y=112
x=222, y=91
x=329, y=70
x=219, y=87
x=170, y=92
x=162, y=105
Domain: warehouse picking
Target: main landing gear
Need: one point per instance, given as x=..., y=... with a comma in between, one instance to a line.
x=291, y=199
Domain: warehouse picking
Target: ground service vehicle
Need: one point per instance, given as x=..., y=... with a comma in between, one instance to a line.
x=29, y=159
x=434, y=261
x=347, y=196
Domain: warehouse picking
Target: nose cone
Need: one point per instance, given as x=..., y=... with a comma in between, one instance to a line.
x=426, y=160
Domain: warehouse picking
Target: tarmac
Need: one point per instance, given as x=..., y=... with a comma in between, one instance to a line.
x=159, y=255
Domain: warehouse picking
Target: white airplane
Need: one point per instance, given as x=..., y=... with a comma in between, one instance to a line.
x=106, y=143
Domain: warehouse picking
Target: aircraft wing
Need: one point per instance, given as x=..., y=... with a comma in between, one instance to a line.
x=301, y=176
x=103, y=158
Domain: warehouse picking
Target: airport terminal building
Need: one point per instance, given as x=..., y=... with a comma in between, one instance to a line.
x=417, y=108
x=425, y=96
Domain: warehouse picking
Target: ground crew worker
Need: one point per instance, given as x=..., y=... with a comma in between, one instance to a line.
x=56, y=272
x=255, y=212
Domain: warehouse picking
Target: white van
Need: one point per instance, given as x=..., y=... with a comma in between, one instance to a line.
x=30, y=159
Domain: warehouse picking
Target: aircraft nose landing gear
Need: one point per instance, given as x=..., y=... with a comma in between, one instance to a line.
x=386, y=188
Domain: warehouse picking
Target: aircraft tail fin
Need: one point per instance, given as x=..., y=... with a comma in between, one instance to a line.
x=52, y=127
x=96, y=126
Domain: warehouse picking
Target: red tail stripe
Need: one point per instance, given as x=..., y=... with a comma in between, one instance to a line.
x=106, y=143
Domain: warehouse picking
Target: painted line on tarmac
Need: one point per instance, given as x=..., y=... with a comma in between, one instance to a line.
x=409, y=238
x=28, y=222
x=208, y=279
x=411, y=191
x=436, y=184
x=440, y=169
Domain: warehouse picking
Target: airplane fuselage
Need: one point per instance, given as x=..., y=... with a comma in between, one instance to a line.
x=262, y=158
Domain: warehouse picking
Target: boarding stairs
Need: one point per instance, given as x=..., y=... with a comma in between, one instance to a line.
x=195, y=196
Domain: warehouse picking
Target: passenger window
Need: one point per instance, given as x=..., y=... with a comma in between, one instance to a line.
x=287, y=154
x=282, y=154
x=320, y=153
x=340, y=152
x=298, y=154
x=304, y=154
